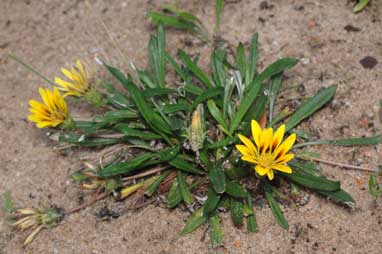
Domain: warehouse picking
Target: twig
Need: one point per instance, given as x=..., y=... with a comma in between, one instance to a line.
x=344, y=165
x=147, y=173
x=97, y=196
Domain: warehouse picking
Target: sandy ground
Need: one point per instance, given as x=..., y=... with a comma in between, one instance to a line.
x=52, y=33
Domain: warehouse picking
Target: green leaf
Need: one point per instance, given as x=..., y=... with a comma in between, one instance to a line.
x=273, y=91
x=253, y=57
x=307, y=167
x=155, y=121
x=171, y=21
x=183, y=188
x=257, y=110
x=375, y=140
x=8, y=202
x=237, y=214
x=215, y=112
x=234, y=189
x=277, y=67
x=180, y=164
x=157, y=55
x=360, y=5
x=219, y=4
x=212, y=201
x=176, y=67
x=246, y=103
x=217, y=178
x=224, y=142
x=179, y=12
x=241, y=63
x=84, y=140
x=173, y=108
x=117, y=115
x=130, y=132
x=151, y=92
x=154, y=186
x=374, y=189
x=215, y=231
x=217, y=69
x=207, y=94
x=193, y=89
x=310, y=106
x=312, y=181
x=276, y=210
x=91, y=127
x=139, y=162
x=174, y=197
x=339, y=196
x=236, y=173
x=146, y=78
x=195, y=221
x=194, y=68
x=251, y=219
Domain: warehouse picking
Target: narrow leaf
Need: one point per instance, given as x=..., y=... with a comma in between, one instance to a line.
x=215, y=231
x=195, y=221
x=216, y=113
x=310, y=106
x=147, y=112
x=217, y=178
x=180, y=164
x=374, y=189
x=276, y=210
x=312, y=181
x=237, y=212
x=183, y=188
x=339, y=196
x=194, y=68
x=234, y=189
x=8, y=202
x=212, y=201
x=154, y=186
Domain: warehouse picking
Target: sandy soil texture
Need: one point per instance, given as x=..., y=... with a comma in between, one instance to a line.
x=331, y=40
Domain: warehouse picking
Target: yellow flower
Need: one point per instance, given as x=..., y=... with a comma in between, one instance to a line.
x=269, y=152
x=51, y=112
x=79, y=81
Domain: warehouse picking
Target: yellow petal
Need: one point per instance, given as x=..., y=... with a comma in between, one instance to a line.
x=282, y=168
x=261, y=170
x=285, y=146
x=278, y=137
x=244, y=150
x=81, y=69
x=266, y=140
x=249, y=159
x=270, y=174
x=67, y=73
x=285, y=158
x=248, y=143
x=256, y=132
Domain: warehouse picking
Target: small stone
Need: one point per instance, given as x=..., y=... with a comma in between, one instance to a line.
x=368, y=62
x=350, y=28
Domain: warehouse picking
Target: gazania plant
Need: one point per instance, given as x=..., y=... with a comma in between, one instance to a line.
x=208, y=142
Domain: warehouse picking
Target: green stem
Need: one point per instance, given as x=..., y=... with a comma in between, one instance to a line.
x=31, y=68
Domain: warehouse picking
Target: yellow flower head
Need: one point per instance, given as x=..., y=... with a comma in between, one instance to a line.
x=269, y=152
x=51, y=112
x=78, y=83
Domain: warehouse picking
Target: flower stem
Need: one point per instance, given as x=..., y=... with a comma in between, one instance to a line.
x=30, y=68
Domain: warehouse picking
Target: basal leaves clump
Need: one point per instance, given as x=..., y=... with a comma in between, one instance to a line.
x=205, y=140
